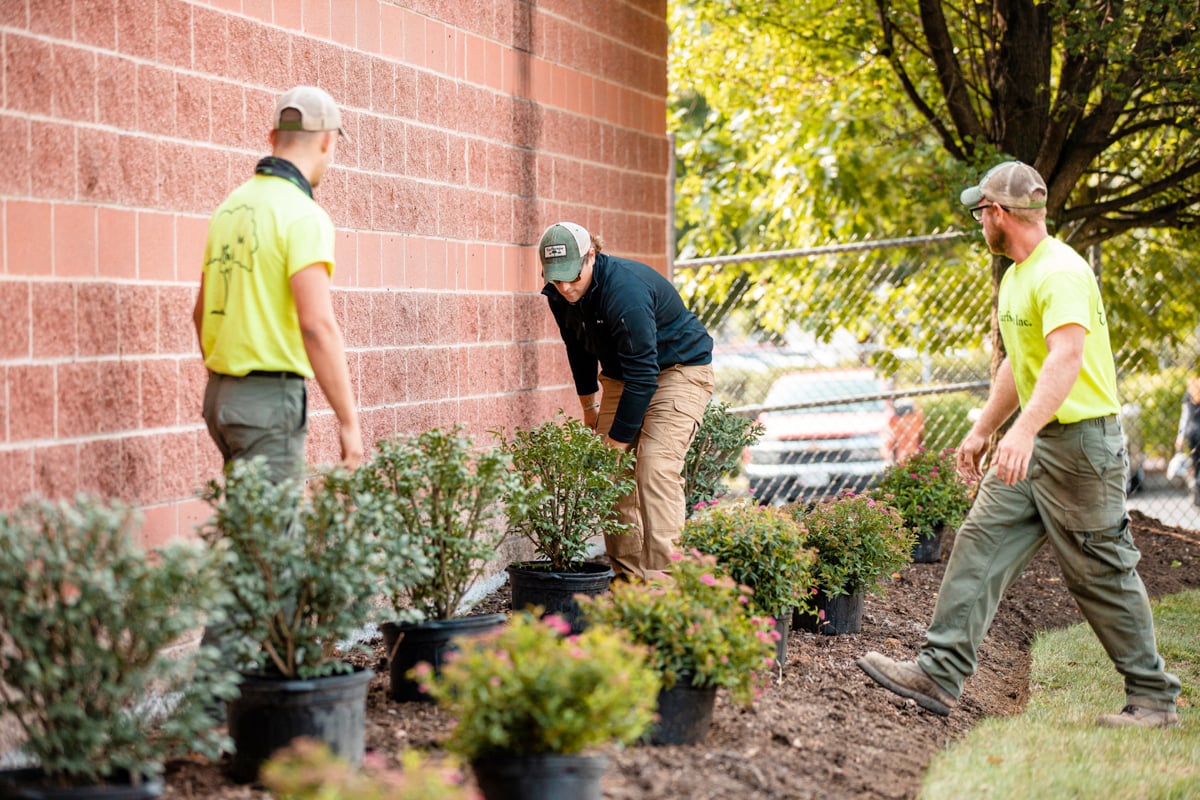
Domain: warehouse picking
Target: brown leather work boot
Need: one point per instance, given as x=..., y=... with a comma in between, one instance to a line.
x=907, y=679
x=1140, y=717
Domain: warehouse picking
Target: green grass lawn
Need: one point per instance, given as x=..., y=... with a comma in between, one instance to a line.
x=1055, y=750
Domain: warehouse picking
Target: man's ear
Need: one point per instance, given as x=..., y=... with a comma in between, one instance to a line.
x=327, y=141
x=271, y=137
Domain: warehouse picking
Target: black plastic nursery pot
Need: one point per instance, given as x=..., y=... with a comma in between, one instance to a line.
x=536, y=583
x=783, y=626
x=545, y=776
x=833, y=616
x=30, y=783
x=928, y=549
x=270, y=712
x=409, y=644
x=685, y=713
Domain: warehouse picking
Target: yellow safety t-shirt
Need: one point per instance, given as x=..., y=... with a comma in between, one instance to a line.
x=265, y=232
x=1053, y=287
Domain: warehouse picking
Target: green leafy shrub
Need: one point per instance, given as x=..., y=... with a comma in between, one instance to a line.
x=528, y=689
x=716, y=453
x=308, y=770
x=927, y=490
x=448, y=504
x=858, y=540
x=697, y=622
x=762, y=547
x=301, y=567
x=571, y=481
x=86, y=616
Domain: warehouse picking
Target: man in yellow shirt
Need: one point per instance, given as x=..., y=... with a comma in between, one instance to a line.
x=263, y=313
x=1058, y=474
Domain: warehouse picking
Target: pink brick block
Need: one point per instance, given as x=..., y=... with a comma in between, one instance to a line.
x=289, y=14
x=141, y=463
x=173, y=34
x=258, y=9
x=211, y=31
x=155, y=100
x=100, y=170
x=100, y=467
x=95, y=23
x=193, y=514
x=117, y=394
x=176, y=464
x=137, y=319
x=78, y=385
x=160, y=526
x=15, y=154
x=15, y=321
x=391, y=31
x=74, y=240
x=176, y=331
x=193, y=107
x=56, y=470
x=273, y=59
x=29, y=74
x=367, y=24
x=53, y=143
x=134, y=36
x=159, y=392
x=73, y=78
x=191, y=234
x=156, y=246
x=317, y=18
x=53, y=308
x=17, y=466
x=30, y=253
x=97, y=323
x=30, y=402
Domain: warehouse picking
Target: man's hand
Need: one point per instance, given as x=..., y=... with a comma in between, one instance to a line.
x=1013, y=454
x=611, y=442
x=352, y=446
x=969, y=454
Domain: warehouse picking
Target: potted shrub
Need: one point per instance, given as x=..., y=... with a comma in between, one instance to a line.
x=762, y=547
x=301, y=567
x=703, y=636
x=859, y=541
x=86, y=617
x=532, y=702
x=573, y=481
x=930, y=494
x=308, y=770
x=450, y=503
x=715, y=454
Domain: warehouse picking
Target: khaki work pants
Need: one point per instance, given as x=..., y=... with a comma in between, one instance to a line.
x=654, y=510
x=1074, y=498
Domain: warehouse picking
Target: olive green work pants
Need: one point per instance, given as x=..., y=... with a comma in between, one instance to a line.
x=1074, y=498
x=655, y=510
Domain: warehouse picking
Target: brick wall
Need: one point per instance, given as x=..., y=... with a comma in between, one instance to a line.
x=473, y=125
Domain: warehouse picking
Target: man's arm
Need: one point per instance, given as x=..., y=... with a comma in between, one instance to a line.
x=327, y=353
x=198, y=316
x=1059, y=372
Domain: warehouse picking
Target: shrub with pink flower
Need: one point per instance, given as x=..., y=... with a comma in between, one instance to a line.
x=760, y=546
x=527, y=688
x=698, y=623
x=859, y=541
x=927, y=491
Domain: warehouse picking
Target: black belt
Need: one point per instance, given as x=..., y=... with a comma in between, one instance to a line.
x=1055, y=425
x=263, y=373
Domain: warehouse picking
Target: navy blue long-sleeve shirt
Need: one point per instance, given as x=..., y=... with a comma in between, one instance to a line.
x=633, y=324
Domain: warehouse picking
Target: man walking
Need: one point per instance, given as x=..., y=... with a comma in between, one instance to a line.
x=263, y=313
x=1058, y=474
x=655, y=366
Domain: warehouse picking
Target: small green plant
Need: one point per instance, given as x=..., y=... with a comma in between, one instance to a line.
x=450, y=502
x=716, y=453
x=572, y=481
x=927, y=490
x=301, y=568
x=86, y=616
x=697, y=624
x=529, y=689
x=760, y=546
x=308, y=770
x=859, y=541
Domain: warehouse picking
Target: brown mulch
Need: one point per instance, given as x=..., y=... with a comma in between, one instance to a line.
x=823, y=730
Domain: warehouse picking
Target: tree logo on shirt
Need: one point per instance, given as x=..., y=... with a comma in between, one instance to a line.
x=237, y=251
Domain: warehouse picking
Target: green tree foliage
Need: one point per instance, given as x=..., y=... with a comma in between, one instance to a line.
x=803, y=122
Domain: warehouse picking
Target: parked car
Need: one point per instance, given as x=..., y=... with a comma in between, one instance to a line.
x=841, y=438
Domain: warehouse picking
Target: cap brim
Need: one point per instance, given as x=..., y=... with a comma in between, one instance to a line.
x=565, y=270
x=972, y=196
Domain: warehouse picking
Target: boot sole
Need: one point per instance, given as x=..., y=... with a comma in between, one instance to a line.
x=923, y=700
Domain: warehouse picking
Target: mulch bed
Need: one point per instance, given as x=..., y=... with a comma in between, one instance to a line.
x=823, y=730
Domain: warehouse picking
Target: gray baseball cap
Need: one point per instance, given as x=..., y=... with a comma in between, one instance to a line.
x=562, y=250
x=1012, y=184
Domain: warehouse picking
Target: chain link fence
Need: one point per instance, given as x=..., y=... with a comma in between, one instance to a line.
x=879, y=351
